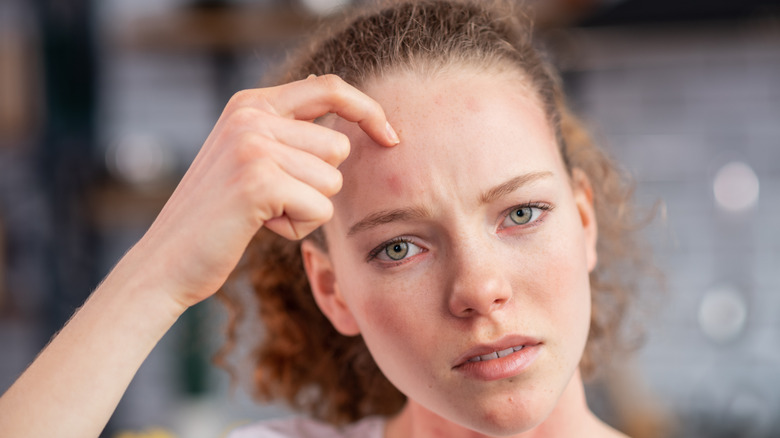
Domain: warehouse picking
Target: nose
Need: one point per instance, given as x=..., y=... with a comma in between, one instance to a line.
x=479, y=286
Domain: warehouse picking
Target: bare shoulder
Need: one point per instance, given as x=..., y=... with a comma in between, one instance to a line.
x=603, y=430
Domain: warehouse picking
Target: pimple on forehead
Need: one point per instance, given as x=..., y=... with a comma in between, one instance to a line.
x=473, y=105
x=394, y=184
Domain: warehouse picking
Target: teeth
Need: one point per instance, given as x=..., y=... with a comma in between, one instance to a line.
x=496, y=354
x=506, y=352
x=489, y=356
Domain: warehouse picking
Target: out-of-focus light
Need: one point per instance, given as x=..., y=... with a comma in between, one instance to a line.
x=140, y=160
x=722, y=314
x=736, y=187
x=324, y=7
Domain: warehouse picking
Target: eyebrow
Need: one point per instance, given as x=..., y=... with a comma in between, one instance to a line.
x=510, y=186
x=387, y=216
x=418, y=212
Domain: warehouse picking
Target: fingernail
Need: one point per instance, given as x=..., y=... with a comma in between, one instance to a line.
x=392, y=134
x=311, y=76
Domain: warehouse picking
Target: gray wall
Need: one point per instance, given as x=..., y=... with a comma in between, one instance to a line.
x=675, y=104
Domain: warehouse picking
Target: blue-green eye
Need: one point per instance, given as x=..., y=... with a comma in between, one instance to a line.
x=525, y=214
x=521, y=215
x=395, y=250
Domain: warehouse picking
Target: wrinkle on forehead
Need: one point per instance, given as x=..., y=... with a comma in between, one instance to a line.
x=440, y=144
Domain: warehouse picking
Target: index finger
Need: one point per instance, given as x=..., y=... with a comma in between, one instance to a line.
x=319, y=95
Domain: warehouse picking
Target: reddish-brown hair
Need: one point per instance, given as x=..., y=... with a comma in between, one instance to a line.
x=302, y=358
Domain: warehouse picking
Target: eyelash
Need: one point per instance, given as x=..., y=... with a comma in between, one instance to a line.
x=383, y=246
x=545, y=207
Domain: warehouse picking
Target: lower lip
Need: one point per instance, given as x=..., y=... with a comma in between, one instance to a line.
x=503, y=367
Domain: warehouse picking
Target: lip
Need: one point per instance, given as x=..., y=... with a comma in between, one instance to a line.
x=509, y=365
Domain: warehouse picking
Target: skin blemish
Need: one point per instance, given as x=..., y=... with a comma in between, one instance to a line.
x=394, y=183
x=473, y=105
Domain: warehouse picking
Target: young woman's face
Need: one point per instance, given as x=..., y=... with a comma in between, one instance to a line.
x=462, y=254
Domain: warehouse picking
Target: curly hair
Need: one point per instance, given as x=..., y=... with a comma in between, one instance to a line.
x=302, y=359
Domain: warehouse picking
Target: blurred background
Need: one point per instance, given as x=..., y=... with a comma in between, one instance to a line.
x=103, y=105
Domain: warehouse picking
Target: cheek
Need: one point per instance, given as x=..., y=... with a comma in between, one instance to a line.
x=381, y=314
x=385, y=303
x=386, y=308
x=565, y=274
x=389, y=311
x=568, y=287
x=398, y=320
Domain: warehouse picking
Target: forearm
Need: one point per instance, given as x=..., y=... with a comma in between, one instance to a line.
x=263, y=164
x=75, y=384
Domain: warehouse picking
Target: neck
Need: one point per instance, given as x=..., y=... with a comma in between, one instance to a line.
x=570, y=417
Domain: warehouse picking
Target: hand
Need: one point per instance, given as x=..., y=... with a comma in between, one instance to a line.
x=264, y=163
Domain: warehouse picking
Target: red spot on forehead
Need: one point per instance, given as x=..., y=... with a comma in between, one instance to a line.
x=473, y=104
x=394, y=184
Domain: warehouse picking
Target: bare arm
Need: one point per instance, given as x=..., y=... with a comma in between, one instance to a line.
x=74, y=385
x=262, y=165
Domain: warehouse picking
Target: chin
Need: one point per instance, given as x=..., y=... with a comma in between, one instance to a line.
x=514, y=417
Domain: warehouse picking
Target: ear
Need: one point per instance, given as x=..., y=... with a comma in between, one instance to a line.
x=322, y=280
x=583, y=198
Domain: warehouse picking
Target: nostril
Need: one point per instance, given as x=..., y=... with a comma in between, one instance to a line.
x=478, y=292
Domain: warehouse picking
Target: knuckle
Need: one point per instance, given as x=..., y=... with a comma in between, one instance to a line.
x=250, y=147
x=263, y=102
x=255, y=180
x=332, y=83
x=378, y=108
x=240, y=99
x=250, y=99
x=320, y=214
x=334, y=184
x=341, y=146
x=326, y=212
x=375, y=109
x=244, y=116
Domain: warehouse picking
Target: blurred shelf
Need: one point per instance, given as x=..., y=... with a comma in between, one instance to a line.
x=115, y=205
x=217, y=29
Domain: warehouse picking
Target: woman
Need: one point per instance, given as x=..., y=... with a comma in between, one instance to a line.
x=452, y=208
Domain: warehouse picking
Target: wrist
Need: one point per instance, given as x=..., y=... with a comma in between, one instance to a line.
x=139, y=282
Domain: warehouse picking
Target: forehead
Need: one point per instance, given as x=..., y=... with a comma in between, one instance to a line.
x=460, y=132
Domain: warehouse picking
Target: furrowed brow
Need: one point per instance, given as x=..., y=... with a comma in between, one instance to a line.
x=510, y=186
x=387, y=216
